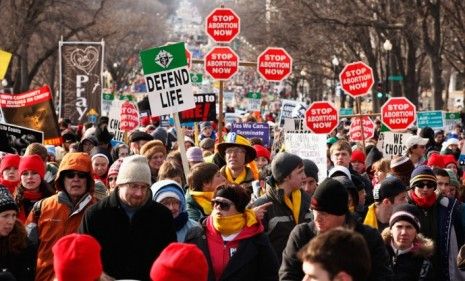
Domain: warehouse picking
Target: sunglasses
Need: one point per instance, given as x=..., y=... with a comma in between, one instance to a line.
x=224, y=206
x=71, y=175
x=425, y=184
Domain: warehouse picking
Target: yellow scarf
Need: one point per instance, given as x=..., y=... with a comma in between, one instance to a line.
x=235, y=223
x=204, y=199
x=239, y=179
x=370, y=218
x=294, y=205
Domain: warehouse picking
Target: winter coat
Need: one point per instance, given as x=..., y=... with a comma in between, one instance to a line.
x=278, y=219
x=57, y=217
x=248, y=256
x=437, y=223
x=415, y=265
x=291, y=267
x=129, y=247
x=194, y=210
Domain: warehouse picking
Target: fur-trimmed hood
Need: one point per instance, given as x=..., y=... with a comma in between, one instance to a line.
x=423, y=247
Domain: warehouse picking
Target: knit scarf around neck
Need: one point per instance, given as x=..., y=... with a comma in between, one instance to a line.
x=239, y=179
x=370, y=218
x=235, y=223
x=294, y=205
x=32, y=195
x=424, y=203
x=204, y=199
x=10, y=185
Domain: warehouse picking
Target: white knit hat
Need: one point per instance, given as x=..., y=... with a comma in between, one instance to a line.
x=134, y=168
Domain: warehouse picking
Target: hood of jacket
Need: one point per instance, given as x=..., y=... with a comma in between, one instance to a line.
x=422, y=246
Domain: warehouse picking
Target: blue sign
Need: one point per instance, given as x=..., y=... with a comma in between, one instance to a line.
x=346, y=111
x=253, y=130
x=432, y=119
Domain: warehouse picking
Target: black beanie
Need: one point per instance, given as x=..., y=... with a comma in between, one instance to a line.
x=6, y=201
x=310, y=168
x=389, y=187
x=283, y=164
x=331, y=196
x=236, y=194
x=406, y=212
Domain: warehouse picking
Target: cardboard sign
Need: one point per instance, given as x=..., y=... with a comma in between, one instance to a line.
x=33, y=109
x=253, y=130
x=81, y=66
x=167, y=77
x=205, y=109
x=391, y=144
x=114, y=120
x=15, y=139
x=291, y=109
x=308, y=146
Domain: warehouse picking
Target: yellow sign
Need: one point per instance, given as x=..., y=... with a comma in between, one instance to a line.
x=5, y=58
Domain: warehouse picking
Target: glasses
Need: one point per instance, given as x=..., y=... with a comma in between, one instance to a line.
x=425, y=184
x=236, y=150
x=224, y=206
x=71, y=175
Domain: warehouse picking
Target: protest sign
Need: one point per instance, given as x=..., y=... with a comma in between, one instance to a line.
x=5, y=58
x=450, y=120
x=205, y=109
x=253, y=130
x=33, y=109
x=432, y=119
x=254, y=101
x=15, y=139
x=308, y=146
x=291, y=109
x=114, y=120
x=391, y=144
x=81, y=65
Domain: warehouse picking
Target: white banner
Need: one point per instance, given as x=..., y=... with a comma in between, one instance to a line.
x=391, y=144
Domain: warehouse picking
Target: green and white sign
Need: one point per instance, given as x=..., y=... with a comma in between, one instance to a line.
x=254, y=101
x=432, y=119
x=167, y=77
x=451, y=119
x=196, y=78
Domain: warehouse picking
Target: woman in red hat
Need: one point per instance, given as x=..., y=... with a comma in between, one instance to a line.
x=9, y=176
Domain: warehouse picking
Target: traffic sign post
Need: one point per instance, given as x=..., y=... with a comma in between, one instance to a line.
x=274, y=64
x=356, y=79
x=221, y=63
x=321, y=117
x=398, y=114
x=222, y=25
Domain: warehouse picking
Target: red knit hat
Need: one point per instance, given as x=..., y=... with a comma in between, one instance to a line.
x=32, y=163
x=262, y=151
x=436, y=160
x=76, y=257
x=358, y=156
x=180, y=262
x=449, y=159
x=9, y=160
x=114, y=168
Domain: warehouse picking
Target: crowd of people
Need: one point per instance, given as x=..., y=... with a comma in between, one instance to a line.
x=99, y=209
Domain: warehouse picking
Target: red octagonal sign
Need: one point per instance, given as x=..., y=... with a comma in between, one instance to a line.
x=274, y=64
x=398, y=114
x=321, y=117
x=221, y=63
x=222, y=25
x=355, y=131
x=356, y=79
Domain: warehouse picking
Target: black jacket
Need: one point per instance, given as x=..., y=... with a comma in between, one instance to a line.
x=279, y=220
x=129, y=247
x=253, y=260
x=291, y=267
x=21, y=265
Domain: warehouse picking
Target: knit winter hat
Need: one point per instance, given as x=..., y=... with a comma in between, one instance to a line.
x=207, y=143
x=449, y=159
x=236, y=194
x=389, y=187
x=76, y=257
x=135, y=168
x=37, y=149
x=6, y=200
x=283, y=164
x=204, y=125
x=180, y=262
x=406, y=212
x=310, y=169
x=32, y=163
x=372, y=157
x=8, y=161
x=262, y=151
x=168, y=188
x=152, y=147
x=422, y=173
x=436, y=160
x=332, y=197
x=402, y=168
x=114, y=168
x=453, y=180
x=194, y=154
x=139, y=135
x=160, y=134
x=357, y=156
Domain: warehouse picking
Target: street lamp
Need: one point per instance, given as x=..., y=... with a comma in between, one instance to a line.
x=387, y=46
